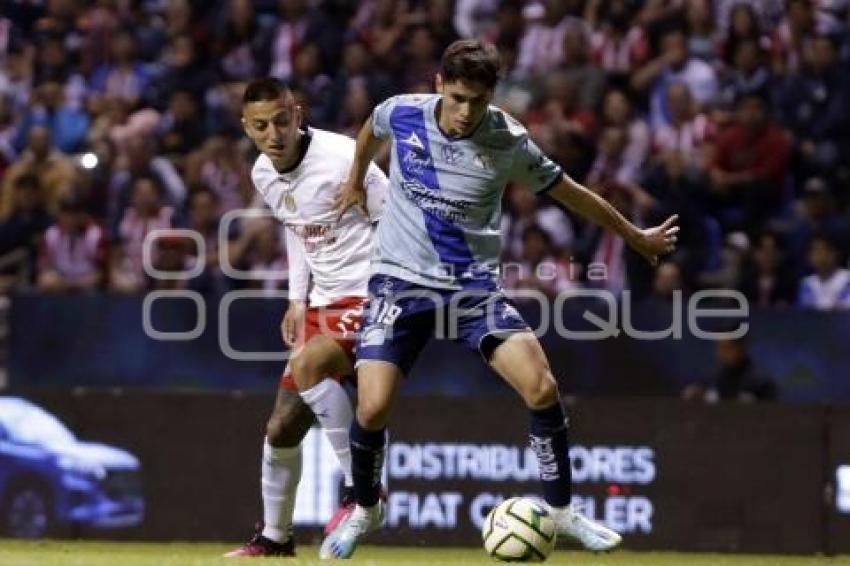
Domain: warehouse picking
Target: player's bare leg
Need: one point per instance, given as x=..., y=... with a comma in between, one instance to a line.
x=521, y=362
x=320, y=357
x=287, y=426
x=377, y=386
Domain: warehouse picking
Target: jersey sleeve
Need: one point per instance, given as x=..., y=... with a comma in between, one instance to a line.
x=534, y=169
x=381, y=117
x=376, y=185
x=299, y=271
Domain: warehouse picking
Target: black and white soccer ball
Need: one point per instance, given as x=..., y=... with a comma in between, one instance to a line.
x=519, y=529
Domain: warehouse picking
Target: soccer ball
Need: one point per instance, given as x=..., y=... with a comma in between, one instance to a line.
x=519, y=529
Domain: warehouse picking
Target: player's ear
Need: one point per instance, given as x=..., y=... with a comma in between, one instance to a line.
x=438, y=83
x=299, y=116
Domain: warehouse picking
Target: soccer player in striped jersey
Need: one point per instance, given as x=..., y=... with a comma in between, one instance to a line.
x=299, y=174
x=436, y=259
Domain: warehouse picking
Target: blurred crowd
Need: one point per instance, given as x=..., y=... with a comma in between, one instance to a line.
x=120, y=117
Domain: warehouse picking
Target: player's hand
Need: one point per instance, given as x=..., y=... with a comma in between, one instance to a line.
x=350, y=195
x=292, y=323
x=658, y=240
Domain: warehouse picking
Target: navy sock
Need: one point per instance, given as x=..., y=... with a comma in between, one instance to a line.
x=549, y=441
x=367, y=460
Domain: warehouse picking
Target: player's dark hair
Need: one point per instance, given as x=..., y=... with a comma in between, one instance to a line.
x=264, y=89
x=471, y=60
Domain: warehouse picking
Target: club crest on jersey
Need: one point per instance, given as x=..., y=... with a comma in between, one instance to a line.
x=413, y=140
x=451, y=154
x=484, y=161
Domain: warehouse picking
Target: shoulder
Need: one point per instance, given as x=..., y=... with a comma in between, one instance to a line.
x=263, y=169
x=500, y=130
x=325, y=143
x=410, y=100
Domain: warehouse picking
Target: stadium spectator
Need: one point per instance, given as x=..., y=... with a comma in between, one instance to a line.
x=16, y=70
x=680, y=190
x=21, y=233
x=145, y=215
x=124, y=77
x=219, y=167
x=736, y=378
x=181, y=69
x=767, y=277
x=309, y=77
x=672, y=65
x=792, y=38
x=688, y=134
x=521, y=212
x=358, y=71
x=576, y=66
x=618, y=45
x=203, y=216
x=441, y=21
x=560, y=113
x=542, y=43
x=747, y=74
x=702, y=36
x=618, y=111
x=171, y=256
x=67, y=125
x=53, y=64
x=748, y=173
x=611, y=170
x=744, y=25
x=816, y=108
x=55, y=172
x=297, y=25
x=137, y=159
x=259, y=251
x=420, y=59
x=241, y=42
x=828, y=288
x=540, y=268
x=817, y=213
x=73, y=255
x=181, y=128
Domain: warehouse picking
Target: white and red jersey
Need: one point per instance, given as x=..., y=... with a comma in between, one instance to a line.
x=73, y=256
x=335, y=253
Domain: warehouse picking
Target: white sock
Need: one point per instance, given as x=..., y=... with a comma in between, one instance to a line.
x=333, y=411
x=281, y=471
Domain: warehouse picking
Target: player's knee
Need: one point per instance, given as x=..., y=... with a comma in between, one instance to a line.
x=372, y=414
x=543, y=393
x=281, y=432
x=305, y=371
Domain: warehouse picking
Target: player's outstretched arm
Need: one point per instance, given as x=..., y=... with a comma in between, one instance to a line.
x=352, y=192
x=649, y=242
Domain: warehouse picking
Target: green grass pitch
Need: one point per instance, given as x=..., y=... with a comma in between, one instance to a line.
x=64, y=553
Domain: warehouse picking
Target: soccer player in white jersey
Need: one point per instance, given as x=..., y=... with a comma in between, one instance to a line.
x=436, y=259
x=299, y=174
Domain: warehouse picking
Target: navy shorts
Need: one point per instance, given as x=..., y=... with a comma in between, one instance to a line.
x=402, y=316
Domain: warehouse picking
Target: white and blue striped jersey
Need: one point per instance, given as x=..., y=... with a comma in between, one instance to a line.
x=442, y=216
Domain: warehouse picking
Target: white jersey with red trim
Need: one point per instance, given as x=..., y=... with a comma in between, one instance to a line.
x=336, y=254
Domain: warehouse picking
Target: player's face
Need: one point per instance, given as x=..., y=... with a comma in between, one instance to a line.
x=273, y=127
x=463, y=105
